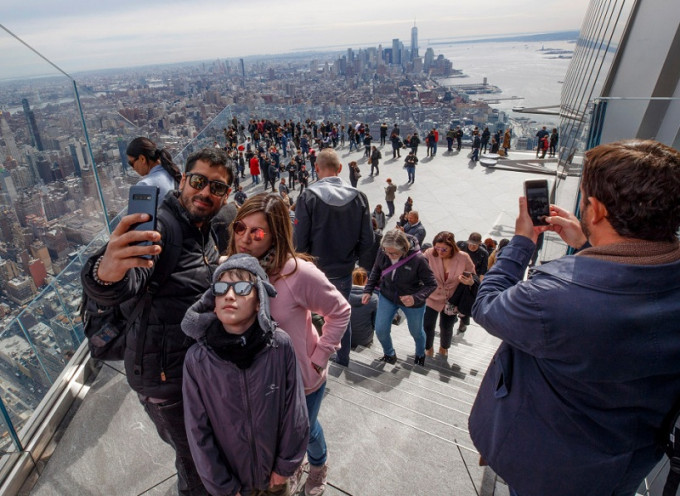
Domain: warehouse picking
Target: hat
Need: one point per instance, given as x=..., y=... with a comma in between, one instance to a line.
x=475, y=238
x=201, y=314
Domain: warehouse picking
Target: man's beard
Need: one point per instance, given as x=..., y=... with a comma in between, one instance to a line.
x=584, y=227
x=198, y=218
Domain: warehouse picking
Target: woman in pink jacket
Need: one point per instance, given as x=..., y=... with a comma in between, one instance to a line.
x=262, y=228
x=448, y=264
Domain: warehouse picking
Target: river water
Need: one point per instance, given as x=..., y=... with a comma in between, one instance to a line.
x=517, y=68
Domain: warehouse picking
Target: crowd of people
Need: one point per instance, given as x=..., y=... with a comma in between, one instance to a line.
x=222, y=326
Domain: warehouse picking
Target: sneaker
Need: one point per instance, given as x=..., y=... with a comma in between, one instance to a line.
x=419, y=360
x=316, y=480
x=295, y=480
x=391, y=359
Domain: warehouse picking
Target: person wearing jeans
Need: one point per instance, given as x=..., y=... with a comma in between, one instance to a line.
x=405, y=280
x=383, y=324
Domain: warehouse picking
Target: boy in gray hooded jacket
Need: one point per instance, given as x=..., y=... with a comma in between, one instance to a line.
x=244, y=403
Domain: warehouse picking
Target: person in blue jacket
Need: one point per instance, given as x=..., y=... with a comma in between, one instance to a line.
x=574, y=399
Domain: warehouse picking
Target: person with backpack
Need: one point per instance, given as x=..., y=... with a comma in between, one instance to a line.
x=118, y=275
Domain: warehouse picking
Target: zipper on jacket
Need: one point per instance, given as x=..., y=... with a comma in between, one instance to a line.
x=163, y=356
x=253, y=447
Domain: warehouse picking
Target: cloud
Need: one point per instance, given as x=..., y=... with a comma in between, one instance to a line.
x=82, y=34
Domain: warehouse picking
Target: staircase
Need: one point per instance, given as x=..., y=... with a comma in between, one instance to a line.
x=402, y=429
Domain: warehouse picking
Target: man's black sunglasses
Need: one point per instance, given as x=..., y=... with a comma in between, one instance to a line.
x=199, y=181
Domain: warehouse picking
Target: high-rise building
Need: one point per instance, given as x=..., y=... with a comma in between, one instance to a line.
x=414, y=42
x=32, y=125
x=396, y=51
x=122, y=151
x=7, y=135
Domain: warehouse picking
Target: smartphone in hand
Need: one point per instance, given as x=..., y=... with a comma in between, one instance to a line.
x=538, y=201
x=467, y=274
x=144, y=199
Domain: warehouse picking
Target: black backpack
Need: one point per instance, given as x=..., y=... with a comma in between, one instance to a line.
x=106, y=327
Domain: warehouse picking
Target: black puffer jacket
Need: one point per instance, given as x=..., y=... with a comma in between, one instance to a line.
x=413, y=278
x=165, y=345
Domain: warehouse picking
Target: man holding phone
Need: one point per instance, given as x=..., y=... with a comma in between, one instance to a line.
x=574, y=399
x=119, y=275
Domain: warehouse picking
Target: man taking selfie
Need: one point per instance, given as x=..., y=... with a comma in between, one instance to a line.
x=154, y=356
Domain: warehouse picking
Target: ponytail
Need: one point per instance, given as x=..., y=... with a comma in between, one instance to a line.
x=169, y=166
x=144, y=146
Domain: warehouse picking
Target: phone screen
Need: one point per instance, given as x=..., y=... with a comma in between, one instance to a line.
x=538, y=201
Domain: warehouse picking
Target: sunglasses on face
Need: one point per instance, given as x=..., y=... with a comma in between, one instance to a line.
x=199, y=181
x=241, y=288
x=257, y=233
x=442, y=250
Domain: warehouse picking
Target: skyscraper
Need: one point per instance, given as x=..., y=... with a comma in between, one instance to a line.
x=7, y=135
x=32, y=126
x=414, y=42
x=396, y=51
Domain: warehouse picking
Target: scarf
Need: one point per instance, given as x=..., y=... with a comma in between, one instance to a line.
x=240, y=349
x=267, y=260
x=636, y=253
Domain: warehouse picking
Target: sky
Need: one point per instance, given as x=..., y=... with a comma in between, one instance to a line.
x=82, y=35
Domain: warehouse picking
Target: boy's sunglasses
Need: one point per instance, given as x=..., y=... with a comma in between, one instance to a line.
x=199, y=181
x=241, y=288
x=257, y=233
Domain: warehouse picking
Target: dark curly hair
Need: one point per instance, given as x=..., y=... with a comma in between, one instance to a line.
x=638, y=183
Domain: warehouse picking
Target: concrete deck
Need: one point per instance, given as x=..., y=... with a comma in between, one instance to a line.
x=391, y=430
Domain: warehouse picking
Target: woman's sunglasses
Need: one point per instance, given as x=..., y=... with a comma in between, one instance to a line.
x=257, y=233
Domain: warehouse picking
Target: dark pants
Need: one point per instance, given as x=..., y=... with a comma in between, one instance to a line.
x=390, y=207
x=344, y=285
x=446, y=323
x=168, y=417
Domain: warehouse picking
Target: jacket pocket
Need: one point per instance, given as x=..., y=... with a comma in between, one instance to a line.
x=502, y=371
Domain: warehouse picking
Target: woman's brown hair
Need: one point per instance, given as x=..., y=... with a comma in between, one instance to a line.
x=447, y=238
x=280, y=228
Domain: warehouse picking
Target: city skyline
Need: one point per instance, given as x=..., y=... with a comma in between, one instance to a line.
x=82, y=36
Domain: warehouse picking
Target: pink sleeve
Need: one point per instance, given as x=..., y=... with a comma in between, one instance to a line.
x=312, y=290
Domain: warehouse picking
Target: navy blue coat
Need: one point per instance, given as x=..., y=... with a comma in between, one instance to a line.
x=589, y=366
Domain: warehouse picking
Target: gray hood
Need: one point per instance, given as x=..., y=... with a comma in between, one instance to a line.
x=202, y=313
x=333, y=191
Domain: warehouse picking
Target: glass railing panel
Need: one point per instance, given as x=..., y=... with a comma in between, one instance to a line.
x=50, y=209
x=24, y=382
